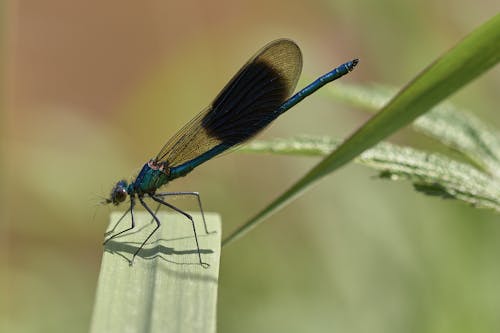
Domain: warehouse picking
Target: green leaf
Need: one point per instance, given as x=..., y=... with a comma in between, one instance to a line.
x=430, y=173
x=445, y=123
x=474, y=55
x=166, y=289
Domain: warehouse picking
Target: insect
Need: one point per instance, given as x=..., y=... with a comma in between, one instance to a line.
x=258, y=93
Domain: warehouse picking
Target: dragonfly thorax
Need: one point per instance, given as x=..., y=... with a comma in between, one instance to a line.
x=159, y=166
x=153, y=175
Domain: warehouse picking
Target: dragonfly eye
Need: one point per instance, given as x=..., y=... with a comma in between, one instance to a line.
x=119, y=192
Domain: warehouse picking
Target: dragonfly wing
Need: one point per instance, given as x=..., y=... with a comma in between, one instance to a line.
x=246, y=105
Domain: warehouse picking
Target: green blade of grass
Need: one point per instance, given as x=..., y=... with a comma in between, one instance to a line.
x=430, y=173
x=166, y=289
x=475, y=54
x=457, y=129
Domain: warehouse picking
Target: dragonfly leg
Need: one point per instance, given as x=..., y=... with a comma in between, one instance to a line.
x=157, y=199
x=118, y=222
x=155, y=212
x=197, y=195
x=132, y=225
x=158, y=224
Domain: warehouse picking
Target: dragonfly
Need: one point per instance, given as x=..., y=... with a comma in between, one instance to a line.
x=257, y=94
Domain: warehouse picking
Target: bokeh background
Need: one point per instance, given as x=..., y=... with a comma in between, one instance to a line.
x=93, y=90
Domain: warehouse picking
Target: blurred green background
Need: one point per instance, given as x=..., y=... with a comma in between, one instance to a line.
x=93, y=90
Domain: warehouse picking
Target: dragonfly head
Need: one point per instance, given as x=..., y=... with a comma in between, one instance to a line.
x=118, y=193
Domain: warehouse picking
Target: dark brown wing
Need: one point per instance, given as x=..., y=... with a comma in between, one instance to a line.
x=245, y=106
